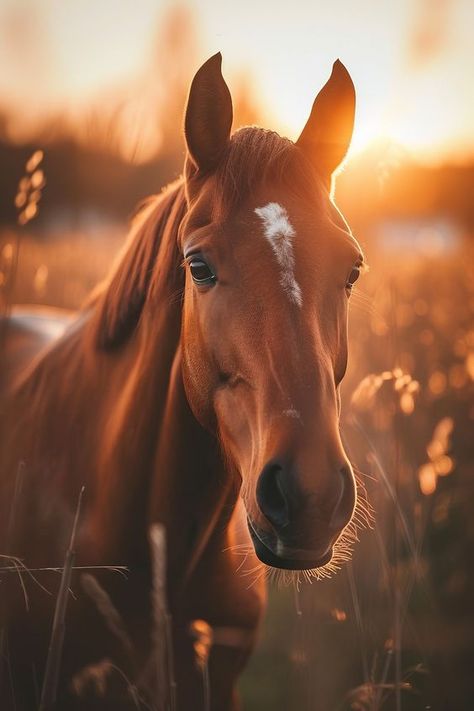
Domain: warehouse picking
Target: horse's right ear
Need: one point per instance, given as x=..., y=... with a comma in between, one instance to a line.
x=208, y=117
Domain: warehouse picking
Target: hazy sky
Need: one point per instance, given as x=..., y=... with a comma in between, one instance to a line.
x=412, y=60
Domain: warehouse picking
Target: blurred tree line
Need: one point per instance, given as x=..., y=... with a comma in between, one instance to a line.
x=128, y=143
x=90, y=175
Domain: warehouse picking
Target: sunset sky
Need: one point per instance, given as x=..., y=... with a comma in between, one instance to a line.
x=412, y=60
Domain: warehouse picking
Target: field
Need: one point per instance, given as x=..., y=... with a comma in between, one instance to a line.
x=98, y=110
x=401, y=611
x=394, y=629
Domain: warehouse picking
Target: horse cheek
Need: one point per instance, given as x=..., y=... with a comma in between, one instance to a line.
x=197, y=384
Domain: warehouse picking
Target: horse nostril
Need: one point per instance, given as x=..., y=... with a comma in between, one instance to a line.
x=271, y=497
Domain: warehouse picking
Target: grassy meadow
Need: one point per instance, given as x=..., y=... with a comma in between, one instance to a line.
x=394, y=629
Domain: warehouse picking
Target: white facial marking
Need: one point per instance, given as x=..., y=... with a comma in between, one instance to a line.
x=279, y=232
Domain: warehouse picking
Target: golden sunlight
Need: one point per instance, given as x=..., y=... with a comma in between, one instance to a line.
x=408, y=61
x=243, y=414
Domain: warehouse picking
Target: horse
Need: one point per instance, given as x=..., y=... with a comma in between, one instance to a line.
x=197, y=389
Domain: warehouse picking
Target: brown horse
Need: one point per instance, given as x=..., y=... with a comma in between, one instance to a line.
x=206, y=366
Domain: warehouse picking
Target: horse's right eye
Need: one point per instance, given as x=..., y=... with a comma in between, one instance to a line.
x=201, y=272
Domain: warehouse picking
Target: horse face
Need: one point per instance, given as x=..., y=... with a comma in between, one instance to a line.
x=264, y=340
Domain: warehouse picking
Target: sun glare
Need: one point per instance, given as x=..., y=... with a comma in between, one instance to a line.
x=411, y=86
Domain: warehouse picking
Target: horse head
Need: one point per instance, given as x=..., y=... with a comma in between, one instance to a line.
x=269, y=266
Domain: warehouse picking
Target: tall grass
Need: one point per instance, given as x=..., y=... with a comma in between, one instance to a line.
x=391, y=630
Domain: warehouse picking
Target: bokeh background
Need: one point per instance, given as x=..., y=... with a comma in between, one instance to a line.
x=91, y=101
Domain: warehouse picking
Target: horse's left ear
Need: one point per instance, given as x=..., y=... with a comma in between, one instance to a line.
x=208, y=117
x=327, y=135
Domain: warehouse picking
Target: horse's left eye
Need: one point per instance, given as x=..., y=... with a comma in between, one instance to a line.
x=201, y=272
x=352, y=278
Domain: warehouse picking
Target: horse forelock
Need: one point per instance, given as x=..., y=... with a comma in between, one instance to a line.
x=257, y=157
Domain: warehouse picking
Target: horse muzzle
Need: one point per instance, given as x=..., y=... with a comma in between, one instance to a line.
x=298, y=521
x=271, y=551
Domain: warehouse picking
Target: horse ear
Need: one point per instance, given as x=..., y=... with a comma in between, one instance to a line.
x=208, y=117
x=327, y=135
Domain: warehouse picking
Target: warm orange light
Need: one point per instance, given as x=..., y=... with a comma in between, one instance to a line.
x=407, y=64
x=427, y=478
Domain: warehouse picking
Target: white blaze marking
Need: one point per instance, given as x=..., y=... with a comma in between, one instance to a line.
x=279, y=232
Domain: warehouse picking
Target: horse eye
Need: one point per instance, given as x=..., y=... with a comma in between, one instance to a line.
x=352, y=278
x=201, y=272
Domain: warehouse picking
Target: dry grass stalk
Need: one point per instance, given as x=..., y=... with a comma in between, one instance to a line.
x=202, y=633
x=94, y=679
x=53, y=662
x=107, y=609
x=30, y=189
x=4, y=652
x=163, y=645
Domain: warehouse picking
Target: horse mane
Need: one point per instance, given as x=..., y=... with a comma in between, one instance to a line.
x=118, y=302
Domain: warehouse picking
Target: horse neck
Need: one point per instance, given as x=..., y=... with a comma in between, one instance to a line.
x=156, y=463
x=191, y=492
x=174, y=475
x=130, y=423
x=133, y=353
